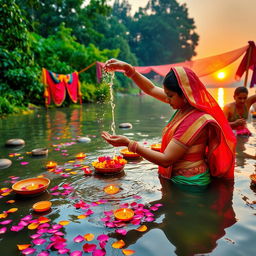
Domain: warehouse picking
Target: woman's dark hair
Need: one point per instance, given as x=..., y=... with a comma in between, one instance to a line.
x=171, y=83
x=240, y=89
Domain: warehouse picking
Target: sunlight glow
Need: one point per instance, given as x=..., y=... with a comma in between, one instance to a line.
x=221, y=97
x=221, y=75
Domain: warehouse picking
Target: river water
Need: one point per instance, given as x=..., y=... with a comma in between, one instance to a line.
x=219, y=220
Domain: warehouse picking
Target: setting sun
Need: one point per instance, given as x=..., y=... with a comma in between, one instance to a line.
x=221, y=75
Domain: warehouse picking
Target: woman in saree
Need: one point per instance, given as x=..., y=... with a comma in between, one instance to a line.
x=197, y=143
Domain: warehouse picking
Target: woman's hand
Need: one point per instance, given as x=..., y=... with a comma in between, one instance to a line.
x=115, y=140
x=240, y=122
x=117, y=65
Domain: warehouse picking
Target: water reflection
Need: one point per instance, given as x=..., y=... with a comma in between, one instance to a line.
x=191, y=219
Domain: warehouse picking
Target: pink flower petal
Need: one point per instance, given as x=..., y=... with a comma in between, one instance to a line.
x=103, y=237
x=24, y=163
x=5, y=222
x=56, y=226
x=59, y=245
x=28, y=251
x=99, y=253
x=78, y=239
x=54, y=188
x=63, y=251
x=39, y=241
x=16, y=228
x=35, y=236
x=76, y=253
x=108, y=213
x=121, y=231
x=89, y=247
x=27, y=218
x=89, y=212
x=3, y=230
x=110, y=224
x=149, y=219
x=43, y=253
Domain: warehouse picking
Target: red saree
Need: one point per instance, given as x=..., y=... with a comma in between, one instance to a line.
x=220, y=151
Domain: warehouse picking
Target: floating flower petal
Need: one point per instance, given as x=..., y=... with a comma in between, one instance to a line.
x=142, y=228
x=89, y=247
x=89, y=237
x=128, y=252
x=118, y=244
x=23, y=246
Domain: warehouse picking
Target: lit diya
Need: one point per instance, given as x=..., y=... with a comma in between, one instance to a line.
x=108, y=165
x=111, y=189
x=31, y=186
x=124, y=214
x=51, y=165
x=80, y=156
x=128, y=154
x=156, y=147
x=42, y=206
x=253, y=178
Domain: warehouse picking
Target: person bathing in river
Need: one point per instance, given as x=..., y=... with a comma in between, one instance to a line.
x=198, y=142
x=237, y=112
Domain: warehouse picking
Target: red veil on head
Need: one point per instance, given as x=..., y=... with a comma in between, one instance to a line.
x=222, y=141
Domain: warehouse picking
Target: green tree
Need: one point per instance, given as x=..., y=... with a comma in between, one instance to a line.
x=16, y=67
x=45, y=17
x=163, y=33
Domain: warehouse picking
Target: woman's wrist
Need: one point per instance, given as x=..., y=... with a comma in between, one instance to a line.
x=130, y=71
x=132, y=146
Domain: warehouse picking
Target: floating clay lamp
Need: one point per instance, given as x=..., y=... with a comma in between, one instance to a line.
x=111, y=189
x=14, y=142
x=80, y=156
x=51, y=165
x=124, y=214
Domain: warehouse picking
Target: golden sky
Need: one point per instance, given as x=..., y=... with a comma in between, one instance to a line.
x=223, y=25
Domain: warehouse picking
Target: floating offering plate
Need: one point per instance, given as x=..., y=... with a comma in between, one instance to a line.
x=109, y=170
x=108, y=165
x=31, y=186
x=253, y=178
x=128, y=154
x=156, y=147
x=124, y=214
x=39, y=152
x=42, y=206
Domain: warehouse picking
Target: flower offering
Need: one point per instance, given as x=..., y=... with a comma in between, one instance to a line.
x=128, y=154
x=106, y=162
x=156, y=147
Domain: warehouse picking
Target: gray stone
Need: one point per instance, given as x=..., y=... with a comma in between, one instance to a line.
x=83, y=139
x=15, y=142
x=5, y=163
x=125, y=126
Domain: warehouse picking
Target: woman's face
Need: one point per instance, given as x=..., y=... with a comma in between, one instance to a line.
x=175, y=101
x=241, y=98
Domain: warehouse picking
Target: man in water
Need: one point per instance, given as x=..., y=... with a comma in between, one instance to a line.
x=237, y=111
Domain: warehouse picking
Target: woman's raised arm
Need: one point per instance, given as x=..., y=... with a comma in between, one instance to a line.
x=141, y=81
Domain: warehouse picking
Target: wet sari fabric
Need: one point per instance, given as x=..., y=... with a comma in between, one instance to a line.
x=203, y=130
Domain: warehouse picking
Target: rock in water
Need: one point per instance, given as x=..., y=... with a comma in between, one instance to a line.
x=83, y=139
x=5, y=163
x=125, y=126
x=15, y=142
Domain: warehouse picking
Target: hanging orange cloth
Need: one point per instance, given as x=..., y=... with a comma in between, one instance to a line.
x=201, y=67
x=56, y=86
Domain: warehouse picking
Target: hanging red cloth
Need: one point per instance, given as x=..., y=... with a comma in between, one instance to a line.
x=248, y=61
x=57, y=84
